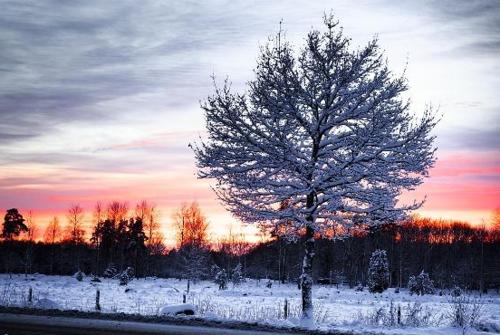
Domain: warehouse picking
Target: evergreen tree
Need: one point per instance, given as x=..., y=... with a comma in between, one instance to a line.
x=421, y=284
x=221, y=279
x=104, y=238
x=237, y=276
x=136, y=247
x=194, y=262
x=378, y=272
x=13, y=224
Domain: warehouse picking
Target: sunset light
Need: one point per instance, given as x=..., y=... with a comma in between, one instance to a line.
x=260, y=148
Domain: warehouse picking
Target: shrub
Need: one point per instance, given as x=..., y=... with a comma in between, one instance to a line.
x=79, y=275
x=110, y=271
x=396, y=315
x=95, y=279
x=456, y=291
x=464, y=311
x=126, y=276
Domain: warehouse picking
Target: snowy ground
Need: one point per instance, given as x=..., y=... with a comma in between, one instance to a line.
x=252, y=301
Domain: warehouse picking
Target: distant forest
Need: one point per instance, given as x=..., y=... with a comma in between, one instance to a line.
x=453, y=253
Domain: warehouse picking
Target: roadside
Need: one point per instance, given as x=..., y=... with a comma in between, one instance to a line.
x=15, y=321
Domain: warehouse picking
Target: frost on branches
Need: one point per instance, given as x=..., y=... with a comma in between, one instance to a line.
x=378, y=272
x=325, y=131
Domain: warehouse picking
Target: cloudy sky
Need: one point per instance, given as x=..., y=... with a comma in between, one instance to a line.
x=99, y=99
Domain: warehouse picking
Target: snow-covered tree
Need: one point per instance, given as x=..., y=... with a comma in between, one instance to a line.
x=194, y=263
x=110, y=271
x=378, y=272
x=221, y=279
x=237, y=275
x=325, y=130
x=421, y=284
x=79, y=275
x=126, y=276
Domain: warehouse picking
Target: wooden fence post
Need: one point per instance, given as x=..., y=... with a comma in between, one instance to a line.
x=399, y=314
x=97, y=298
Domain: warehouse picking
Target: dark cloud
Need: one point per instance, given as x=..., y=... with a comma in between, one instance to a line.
x=474, y=22
x=8, y=137
x=485, y=13
x=474, y=50
x=60, y=59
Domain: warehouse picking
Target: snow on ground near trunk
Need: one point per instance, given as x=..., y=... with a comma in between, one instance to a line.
x=252, y=301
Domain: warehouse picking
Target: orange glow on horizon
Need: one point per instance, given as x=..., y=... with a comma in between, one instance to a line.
x=462, y=186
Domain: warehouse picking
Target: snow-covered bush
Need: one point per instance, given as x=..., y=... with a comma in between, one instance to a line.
x=221, y=279
x=421, y=284
x=79, y=275
x=397, y=315
x=110, y=271
x=420, y=316
x=378, y=272
x=465, y=311
x=456, y=291
x=126, y=276
x=237, y=276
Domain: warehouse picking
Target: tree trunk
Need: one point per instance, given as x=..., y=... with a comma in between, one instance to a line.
x=307, y=278
x=307, y=273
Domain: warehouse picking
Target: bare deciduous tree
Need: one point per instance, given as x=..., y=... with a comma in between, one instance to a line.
x=150, y=215
x=53, y=231
x=117, y=211
x=74, y=230
x=191, y=225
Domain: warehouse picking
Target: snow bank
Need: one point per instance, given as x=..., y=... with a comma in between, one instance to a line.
x=45, y=303
x=186, y=309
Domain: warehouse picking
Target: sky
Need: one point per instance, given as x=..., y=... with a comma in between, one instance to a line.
x=100, y=99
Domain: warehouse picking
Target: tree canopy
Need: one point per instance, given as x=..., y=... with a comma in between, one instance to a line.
x=326, y=130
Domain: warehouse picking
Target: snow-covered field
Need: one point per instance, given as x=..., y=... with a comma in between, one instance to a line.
x=251, y=301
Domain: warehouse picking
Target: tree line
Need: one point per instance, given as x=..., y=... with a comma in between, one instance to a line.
x=454, y=253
